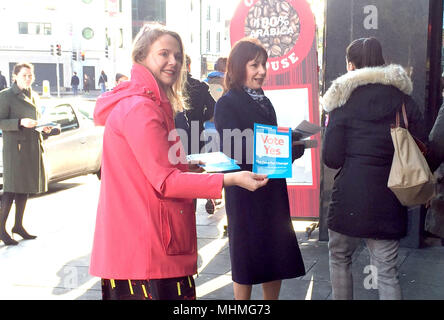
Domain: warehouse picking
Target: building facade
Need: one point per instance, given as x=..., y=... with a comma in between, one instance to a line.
x=89, y=35
x=204, y=28
x=96, y=35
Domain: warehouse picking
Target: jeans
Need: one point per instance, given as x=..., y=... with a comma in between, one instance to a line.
x=383, y=259
x=102, y=87
x=75, y=89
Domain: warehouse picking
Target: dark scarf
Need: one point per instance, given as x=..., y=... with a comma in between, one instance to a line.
x=261, y=99
x=27, y=92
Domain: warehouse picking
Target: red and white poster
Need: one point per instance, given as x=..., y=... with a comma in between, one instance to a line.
x=287, y=30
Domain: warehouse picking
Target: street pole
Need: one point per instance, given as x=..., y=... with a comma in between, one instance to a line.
x=57, y=77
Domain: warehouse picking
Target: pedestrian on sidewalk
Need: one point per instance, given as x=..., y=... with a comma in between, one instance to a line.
x=199, y=108
x=120, y=78
x=263, y=245
x=75, y=81
x=434, y=222
x=215, y=80
x=103, y=80
x=145, y=244
x=86, y=83
x=362, y=106
x=3, y=83
x=23, y=166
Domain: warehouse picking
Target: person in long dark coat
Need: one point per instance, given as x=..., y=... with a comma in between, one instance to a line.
x=263, y=245
x=23, y=166
x=200, y=108
x=362, y=106
x=434, y=222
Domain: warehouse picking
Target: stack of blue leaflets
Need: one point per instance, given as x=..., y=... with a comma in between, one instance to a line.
x=214, y=161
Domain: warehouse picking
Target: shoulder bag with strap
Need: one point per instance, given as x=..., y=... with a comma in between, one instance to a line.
x=410, y=177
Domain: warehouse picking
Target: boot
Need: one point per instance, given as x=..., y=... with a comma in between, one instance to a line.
x=4, y=212
x=20, y=204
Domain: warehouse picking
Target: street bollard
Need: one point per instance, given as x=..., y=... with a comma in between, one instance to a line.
x=46, y=89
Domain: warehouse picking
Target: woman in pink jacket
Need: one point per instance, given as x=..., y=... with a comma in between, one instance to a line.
x=145, y=244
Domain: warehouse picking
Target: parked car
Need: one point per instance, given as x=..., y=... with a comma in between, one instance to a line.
x=77, y=150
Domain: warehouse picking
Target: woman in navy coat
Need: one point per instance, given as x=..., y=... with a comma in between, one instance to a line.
x=263, y=244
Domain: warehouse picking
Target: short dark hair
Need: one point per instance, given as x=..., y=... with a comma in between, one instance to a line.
x=221, y=64
x=118, y=76
x=21, y=65
x=365, y=52
x=244, y=50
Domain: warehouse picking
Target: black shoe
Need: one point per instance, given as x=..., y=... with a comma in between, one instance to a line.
x=209, y=206
x=22, y=232
x=8, y=240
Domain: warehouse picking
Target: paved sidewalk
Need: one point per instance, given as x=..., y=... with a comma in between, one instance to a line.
x=55, y=266
x=421, y=270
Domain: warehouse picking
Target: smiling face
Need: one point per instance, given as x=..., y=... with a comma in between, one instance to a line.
x=255, y=73
x=24, y=78
x=164, y=60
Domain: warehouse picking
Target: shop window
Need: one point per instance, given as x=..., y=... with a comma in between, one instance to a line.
x=34, y=28
x=208, y=12
x=23, y=27
x=208, y=41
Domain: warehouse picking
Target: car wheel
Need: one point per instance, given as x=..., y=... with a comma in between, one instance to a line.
x=99, y=174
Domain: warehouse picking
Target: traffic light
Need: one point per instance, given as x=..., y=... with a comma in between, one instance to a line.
x=106, y=52
x=59, y=49
x=51, y=50
x=82, y=54
x=74, y=55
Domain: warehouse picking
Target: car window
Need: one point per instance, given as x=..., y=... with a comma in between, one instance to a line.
x=85, y=114
x=64, y=115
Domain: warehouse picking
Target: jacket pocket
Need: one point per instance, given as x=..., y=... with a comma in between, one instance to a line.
x=178, y=226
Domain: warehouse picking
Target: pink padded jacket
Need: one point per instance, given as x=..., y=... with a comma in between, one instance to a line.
x=145, y=225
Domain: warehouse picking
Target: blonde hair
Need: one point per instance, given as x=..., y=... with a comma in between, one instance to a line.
x=147, y=35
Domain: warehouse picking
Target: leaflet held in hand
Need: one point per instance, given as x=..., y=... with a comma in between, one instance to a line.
x=272, y=151
x=214, y=161
x=307, y=129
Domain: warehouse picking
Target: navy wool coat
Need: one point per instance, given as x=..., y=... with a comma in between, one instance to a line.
x=263, y=244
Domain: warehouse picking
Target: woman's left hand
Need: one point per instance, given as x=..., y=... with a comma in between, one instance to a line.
x=47, y=129
x=194, y=166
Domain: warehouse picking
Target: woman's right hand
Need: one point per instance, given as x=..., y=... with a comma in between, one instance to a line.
x=245, y=179
x=28, y=123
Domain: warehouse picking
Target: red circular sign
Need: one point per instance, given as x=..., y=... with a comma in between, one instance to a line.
x=286, y=28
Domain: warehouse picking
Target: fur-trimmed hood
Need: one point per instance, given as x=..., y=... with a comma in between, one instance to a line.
x=342, y=88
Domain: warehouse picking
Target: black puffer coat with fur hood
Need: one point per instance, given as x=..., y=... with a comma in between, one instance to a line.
x=362, y=105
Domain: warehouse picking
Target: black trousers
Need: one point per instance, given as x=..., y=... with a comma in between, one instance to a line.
x=182, y=288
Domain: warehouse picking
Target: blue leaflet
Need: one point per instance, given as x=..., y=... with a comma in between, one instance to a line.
x=214, y=161
x=272, y=151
